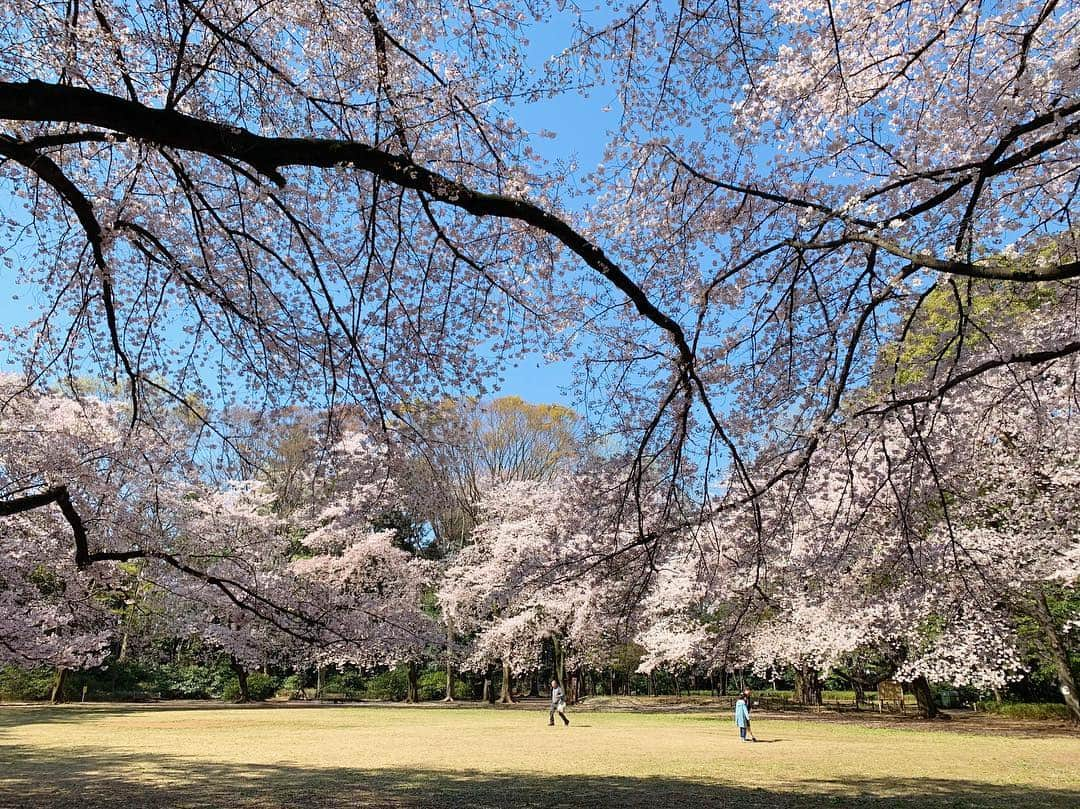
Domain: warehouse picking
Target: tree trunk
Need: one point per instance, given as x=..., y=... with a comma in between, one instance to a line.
x=1056, y=647
x=412, y=682
x=449, y=680
x=121, y=656
x=860, y=692
x=318, y=682
x=505, y=697
x=449, y=662
x=559, y=674
x=652, y=684
x=920, y=687
x=807, y=686
x=241, y=679
x=489, y=684
x=57, y=694
x=723, y=682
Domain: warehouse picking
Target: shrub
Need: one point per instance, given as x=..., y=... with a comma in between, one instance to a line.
x=390, y=685
x=433, y=686
x=260, y=686
x=1027, y=710
x=292, y=683
x=175, y=681
x=26, y=684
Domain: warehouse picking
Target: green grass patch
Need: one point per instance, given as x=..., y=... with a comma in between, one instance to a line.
x=92, y=757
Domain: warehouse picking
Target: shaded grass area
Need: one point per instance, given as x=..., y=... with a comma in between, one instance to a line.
x=115, y=756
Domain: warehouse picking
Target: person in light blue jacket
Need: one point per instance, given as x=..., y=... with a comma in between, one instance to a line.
x=742, y=716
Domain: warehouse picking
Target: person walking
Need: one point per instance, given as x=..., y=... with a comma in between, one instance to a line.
x=742, y=716
x=558, y=703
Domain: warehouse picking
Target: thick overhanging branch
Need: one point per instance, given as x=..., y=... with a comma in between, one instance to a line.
x=1040, y=357
x=62, y=498
x=38, y=101
x=283, y=617
x=990, y=269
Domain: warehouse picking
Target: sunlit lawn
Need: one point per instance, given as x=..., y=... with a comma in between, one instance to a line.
x=136, y=756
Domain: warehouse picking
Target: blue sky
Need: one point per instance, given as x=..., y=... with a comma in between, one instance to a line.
x=579, y=123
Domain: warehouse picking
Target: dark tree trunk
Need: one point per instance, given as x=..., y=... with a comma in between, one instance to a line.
x=559, y=653
x=489, y=684
x=807, y=686
x=1058, y=653
x=723, y=682
x=57, y=694
x=505, y=697
x=920, y=687
x=241, y=679
x=412, y=682
x=860, y=692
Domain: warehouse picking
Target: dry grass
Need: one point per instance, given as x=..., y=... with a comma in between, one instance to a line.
x=112, y=756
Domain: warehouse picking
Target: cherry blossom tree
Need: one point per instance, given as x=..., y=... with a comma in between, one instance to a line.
x=539, y=570
x=67, y=466
x=355, y=215
x=373, y=591
x=342, y=205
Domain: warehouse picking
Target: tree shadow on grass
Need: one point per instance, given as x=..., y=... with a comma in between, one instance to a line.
x=16, y=715
x=84, y=778
x=19, y=714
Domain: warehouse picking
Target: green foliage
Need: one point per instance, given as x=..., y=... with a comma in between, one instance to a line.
x=260, y=686
x=47, y=581
x=1040, y=680
x=293, y=683
x=408, y=532
x=1027, y=710
x=160, y=681
x=189, y=682
x=390, y=685
x=347, y=681
x=433, y=685
x=950, y=319
x=24, y=685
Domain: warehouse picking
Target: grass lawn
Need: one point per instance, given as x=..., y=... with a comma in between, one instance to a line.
x=188, y=756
